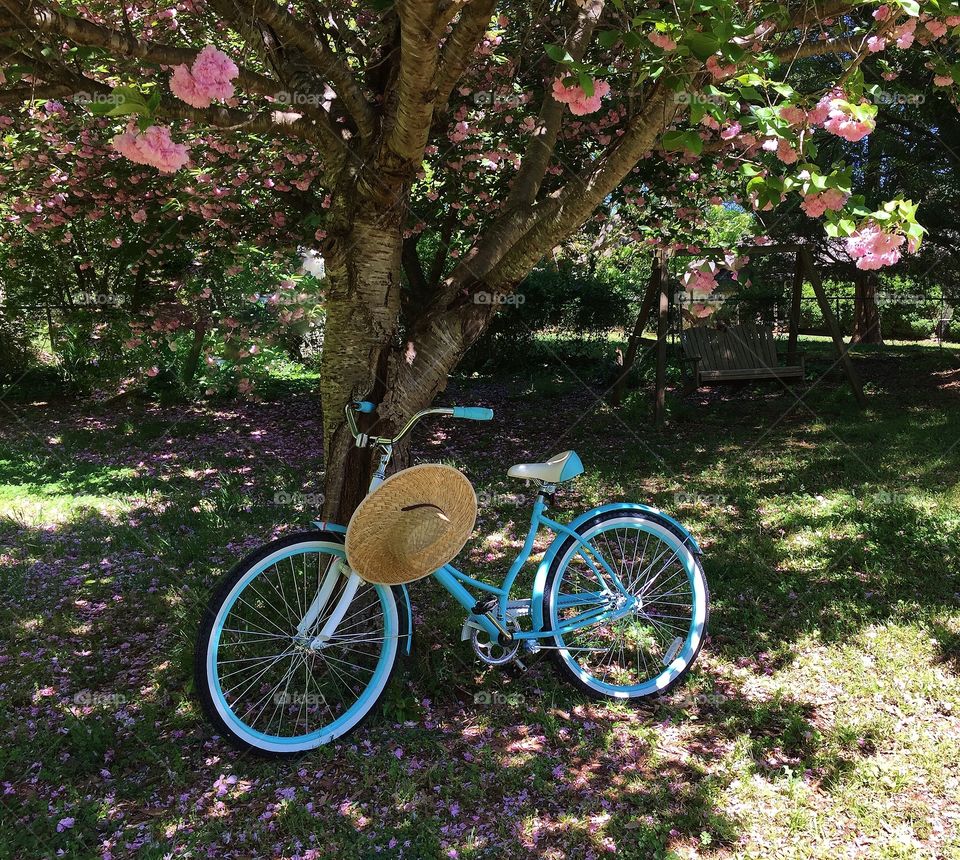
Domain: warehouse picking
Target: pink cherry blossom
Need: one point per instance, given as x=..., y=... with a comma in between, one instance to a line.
x=731, y=131
x=936, y=28
x=153, y=147
x=184, y=87
x=139, y=216
x=816, y=204
x=872, y=248
x=819, y=114
x=943, y=80
x=875, y=44
x=701, y=310
x=841, y=123
x=904, y=34
x=881, y=13
x=208, y=79
x=718, y=70
x=785, y=152
x=793, y=114
x=700, y=277
x=580, y=104
x=662, y=41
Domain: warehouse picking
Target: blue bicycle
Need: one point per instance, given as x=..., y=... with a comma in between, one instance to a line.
x=295, y=649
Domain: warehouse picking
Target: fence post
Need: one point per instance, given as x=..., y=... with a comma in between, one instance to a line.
x=663, y=319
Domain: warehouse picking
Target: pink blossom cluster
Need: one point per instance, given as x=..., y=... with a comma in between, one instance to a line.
x=700, y=277
x=839, y=121
x=718, y=70
x=816, y=204
x=575, y=96
x=793, y=114
x=905, y=33
x=783, y=148
x=662, y=41
x=873, y=248
x=152, y=147
x=208, y=79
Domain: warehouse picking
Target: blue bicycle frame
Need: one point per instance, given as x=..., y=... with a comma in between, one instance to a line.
x=612, y=600
x=455, y=582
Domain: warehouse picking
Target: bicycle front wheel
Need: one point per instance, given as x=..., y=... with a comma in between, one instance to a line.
x=649, y=649
x=275, y=674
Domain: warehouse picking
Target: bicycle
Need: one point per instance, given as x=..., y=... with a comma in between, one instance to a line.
x=295, y=650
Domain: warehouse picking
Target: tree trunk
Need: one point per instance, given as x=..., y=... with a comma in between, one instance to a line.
x=192, y=361
x=866, y=313
x=633, y=344
x=364, y=356
x=363, y=305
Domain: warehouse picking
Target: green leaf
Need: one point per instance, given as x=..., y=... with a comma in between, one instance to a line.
x=674, y=141
x=99, y=108
x=701, y=44
x=558, y=54
x=608, y=38
x=128, y=108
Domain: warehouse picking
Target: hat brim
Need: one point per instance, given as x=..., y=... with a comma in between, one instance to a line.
x=372, y=549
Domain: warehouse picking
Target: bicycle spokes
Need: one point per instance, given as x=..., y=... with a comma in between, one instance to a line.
x=649, y=619
x=276, y=674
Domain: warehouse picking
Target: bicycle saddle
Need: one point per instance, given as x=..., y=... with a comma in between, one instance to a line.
x=561, y=467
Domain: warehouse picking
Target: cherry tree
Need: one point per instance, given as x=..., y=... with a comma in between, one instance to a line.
x=435, y=150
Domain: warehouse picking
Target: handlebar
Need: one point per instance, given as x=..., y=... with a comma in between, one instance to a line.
x=472, y=413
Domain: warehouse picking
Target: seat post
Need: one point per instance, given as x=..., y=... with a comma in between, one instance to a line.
x=545, y=492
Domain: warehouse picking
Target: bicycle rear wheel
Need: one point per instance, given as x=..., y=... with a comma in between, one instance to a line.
x=649, y=650
x=264, y=678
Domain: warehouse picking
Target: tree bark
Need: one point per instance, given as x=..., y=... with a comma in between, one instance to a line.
x=363, y=263
x=866, y=313
x=633, y=344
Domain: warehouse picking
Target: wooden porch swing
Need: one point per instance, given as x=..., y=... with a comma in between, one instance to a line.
x=742, y=352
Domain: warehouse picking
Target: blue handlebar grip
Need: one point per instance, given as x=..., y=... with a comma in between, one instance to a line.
x=474, y=413
x=364, y=406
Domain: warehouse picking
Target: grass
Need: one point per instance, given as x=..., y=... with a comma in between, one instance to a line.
x=822, y=720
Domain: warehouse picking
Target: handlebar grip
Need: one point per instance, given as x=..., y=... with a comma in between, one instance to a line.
x=474, y=413
x=364, y=406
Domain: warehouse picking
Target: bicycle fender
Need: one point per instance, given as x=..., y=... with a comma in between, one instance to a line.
x=540, y=581
x=340, y=532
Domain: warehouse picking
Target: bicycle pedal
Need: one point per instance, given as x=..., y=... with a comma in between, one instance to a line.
x=482, y=607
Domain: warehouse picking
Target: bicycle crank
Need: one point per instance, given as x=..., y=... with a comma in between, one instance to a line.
x=495, y=653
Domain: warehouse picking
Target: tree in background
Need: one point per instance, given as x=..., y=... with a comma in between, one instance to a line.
x=485, y=132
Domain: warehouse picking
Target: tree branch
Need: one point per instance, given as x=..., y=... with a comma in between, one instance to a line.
x=818, y=48
x=536, y=158
x=459, y=47
x=560, y=215
x=533, y=166
x=295, y=32
x=412, y=101
x=33, y=16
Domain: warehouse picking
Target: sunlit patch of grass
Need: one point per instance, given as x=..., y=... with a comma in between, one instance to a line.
x=821, y=720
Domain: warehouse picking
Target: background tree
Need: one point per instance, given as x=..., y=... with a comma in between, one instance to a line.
x=444, y=127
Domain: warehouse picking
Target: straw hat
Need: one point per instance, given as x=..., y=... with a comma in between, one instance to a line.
x=413, y=523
